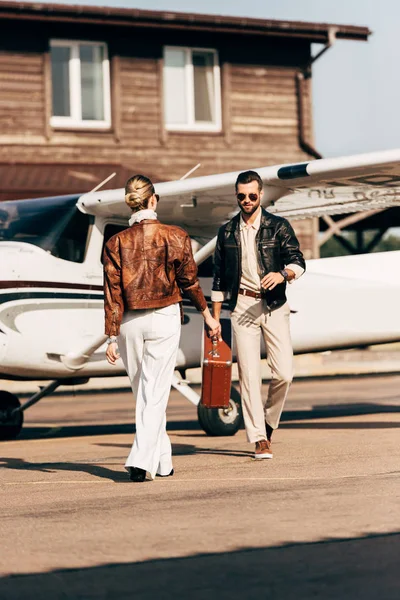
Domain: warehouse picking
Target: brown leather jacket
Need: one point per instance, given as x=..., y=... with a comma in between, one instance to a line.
x=147, y=266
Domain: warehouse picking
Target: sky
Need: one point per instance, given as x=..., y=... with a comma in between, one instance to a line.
x=356, y=85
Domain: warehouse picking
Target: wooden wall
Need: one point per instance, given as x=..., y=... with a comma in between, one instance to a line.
x=22, y=111
x=259, y=97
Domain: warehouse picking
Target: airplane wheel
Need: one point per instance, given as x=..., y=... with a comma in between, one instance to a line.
x=10, y=427
x=222, y=421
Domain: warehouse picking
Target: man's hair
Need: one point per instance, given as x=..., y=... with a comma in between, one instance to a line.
x=248, y=177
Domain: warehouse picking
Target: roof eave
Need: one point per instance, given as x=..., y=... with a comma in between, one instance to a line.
x=316, y=32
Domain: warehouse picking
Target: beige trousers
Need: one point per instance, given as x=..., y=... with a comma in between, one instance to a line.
x=249, y=319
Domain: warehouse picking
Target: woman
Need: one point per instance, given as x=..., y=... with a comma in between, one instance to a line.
x=145, y=269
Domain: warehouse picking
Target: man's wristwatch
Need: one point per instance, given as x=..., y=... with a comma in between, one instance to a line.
x=112, y=339
x=284, y=274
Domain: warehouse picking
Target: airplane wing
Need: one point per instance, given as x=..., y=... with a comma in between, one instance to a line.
x=309, y=189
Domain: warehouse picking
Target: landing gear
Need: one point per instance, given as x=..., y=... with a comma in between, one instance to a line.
x=11, y=420
x=12, y=412
x=222, y=421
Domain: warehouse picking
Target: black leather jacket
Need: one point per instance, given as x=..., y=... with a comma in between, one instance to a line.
x=277, y=248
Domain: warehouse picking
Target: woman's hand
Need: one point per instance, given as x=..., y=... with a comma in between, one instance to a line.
x=112, y=353
x=214, y=327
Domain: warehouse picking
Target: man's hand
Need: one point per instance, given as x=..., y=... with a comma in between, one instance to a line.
x=112, y=353
x=271, y=280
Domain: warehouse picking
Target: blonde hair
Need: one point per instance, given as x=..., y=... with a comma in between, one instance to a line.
x=138, y=191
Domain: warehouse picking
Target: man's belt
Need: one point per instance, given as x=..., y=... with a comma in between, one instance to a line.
x=245, y=292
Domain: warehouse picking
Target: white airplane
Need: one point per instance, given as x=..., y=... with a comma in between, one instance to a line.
x=51, y=295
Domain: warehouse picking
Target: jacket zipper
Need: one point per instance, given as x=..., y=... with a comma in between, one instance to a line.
x=236, y=235
x=261, y=266
x=115, y=312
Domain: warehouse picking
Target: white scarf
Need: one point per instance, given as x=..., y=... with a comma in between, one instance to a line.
x=140, y=215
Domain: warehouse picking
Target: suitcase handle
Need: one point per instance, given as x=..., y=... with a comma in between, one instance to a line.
x=214, y=350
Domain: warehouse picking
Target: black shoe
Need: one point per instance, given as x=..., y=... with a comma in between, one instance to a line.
x=269, y=431
x=136, y=474
x=169, y=474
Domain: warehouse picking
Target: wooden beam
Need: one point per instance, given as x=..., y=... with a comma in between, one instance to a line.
x=116, y=96
x=163, y=132
x=335, y=227
x=376, y=239
x=47, y=94
x=360, y=241
x=226, y=94
x=345, y=243
x=315, y=244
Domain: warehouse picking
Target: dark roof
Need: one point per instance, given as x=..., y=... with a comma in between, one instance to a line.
x=133, y=17
x=24, y=180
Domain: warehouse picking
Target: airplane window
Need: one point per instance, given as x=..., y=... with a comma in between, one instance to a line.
x=71, y=243
x=54, y=224
x=109, y=231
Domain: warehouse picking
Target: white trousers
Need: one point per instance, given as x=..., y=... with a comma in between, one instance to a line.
x=249, y=319
x=148, y=344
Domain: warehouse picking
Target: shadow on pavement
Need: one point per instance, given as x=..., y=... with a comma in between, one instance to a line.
x=341, y=425
x=319, y=412
x=340, y=410
x=30, y=432
x=54, y=467
x=363, y=567
x=102, y=472
x=187, y=449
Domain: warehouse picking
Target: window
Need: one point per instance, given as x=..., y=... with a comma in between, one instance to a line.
x=54, y=224
x=192, y=94
x=80, y=84
x=109, y=231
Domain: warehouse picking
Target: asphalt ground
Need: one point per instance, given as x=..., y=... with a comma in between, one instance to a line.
x=319, y=520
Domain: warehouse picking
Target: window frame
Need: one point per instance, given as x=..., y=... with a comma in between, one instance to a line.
x=75, y=121
x=192, y=125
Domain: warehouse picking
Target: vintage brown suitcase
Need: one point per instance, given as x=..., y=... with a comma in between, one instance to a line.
x=217, y=369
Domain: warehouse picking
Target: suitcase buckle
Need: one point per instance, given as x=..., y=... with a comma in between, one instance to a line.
x=214, y=351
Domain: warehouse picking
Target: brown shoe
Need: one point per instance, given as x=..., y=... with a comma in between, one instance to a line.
x=263, y=449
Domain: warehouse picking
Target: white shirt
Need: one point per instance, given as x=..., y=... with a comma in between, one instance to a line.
x=250, y=278
x=141, y=215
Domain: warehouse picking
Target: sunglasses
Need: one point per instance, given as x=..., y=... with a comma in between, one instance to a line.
x=157, y=197
x=252, y=197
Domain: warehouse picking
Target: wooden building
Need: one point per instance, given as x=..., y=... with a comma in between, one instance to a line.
x=89, y=90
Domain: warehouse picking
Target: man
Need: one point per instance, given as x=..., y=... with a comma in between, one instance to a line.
x=257, y=253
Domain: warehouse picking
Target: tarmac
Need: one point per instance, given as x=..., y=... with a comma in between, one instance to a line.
x=374, y=360
x=319, y=520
